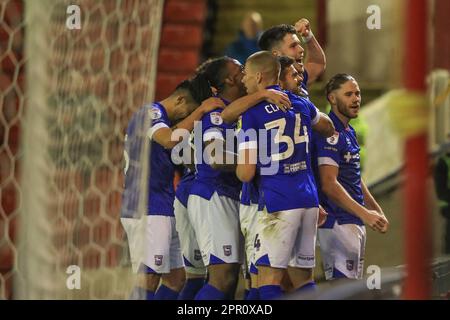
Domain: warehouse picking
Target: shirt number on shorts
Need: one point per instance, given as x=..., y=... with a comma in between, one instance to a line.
x=257, y=243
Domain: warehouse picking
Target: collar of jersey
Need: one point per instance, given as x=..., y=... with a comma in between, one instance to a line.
x=337, y=122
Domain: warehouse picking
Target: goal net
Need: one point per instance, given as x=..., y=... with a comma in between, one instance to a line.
x=72, y=74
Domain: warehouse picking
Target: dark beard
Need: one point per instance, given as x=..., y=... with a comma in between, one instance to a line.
x=344, y=112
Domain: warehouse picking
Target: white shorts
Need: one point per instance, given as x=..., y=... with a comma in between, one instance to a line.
x=216, y=225
x=286, y=238
x=342, y=247
x=247, y=217
x=189, y=246
x=153, y=241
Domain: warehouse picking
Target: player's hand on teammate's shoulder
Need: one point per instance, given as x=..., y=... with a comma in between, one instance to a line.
x=303, y=27
x=375, y=221
x=322, y=216
x=211, y=104
x=279, y=98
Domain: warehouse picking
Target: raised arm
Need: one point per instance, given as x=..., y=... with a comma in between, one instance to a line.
x=316, y=62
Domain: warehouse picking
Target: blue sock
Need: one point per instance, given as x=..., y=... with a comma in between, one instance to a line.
x=208, y=292
x=253, y=294
x=190, y=289
x=246, y=293
x=165, y=293
x=270, y=292
x=140, y=293
x=309, y=287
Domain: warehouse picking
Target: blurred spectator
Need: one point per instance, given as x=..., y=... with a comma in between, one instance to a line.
x=442, y=184
x=247, y=41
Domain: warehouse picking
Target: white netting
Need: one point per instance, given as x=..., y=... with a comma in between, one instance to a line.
x=70, y=94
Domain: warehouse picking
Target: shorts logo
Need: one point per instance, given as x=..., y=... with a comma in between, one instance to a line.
x=227, y=250
x=197, y=255
x=158, y=260
x=350, y=265
x=333, y=140
x=216, y=118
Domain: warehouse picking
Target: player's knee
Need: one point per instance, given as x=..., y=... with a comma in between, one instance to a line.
x=269, y=276
x=224, y=276
x=175, y=279
x=192, y=272
x=149, y=281
x=301, y=276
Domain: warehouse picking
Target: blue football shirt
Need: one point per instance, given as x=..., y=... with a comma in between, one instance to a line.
x=184, y=186
x=161, y=193
x=282, y=139
x=208, y=180
x=340, y=150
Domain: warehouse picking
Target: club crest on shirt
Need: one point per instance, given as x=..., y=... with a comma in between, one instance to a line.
x=227, y=250
x=158, y=260
x=333, y=140
x=155, y=113
x=216, y=118
x=197, y=255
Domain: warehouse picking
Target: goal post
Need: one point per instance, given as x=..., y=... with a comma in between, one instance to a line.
x=81, y=87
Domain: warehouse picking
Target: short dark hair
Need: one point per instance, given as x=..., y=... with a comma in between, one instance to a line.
x=215, y=71
x=197, y=88
x=271, y=37
x=285, y=62
x=336, y=82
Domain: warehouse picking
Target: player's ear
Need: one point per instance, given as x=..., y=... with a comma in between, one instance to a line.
x=258, y=77
x=275, y=52
x=180, y=100
x=332, y=98
x=229, y=81
x=214, y=90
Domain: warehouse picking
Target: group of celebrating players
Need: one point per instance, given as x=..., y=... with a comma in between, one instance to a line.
x=264, y=173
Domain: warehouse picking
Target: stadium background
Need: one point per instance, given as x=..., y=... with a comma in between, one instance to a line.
x=128, y=52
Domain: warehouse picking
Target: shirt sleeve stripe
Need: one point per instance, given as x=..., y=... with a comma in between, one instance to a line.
x=155, y=128
x=212, y=135
x=316, y=118
x=248, y=145
x=327, y=161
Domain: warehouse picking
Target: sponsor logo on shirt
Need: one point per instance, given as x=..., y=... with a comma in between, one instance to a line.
x=330, y=148
x=348, y=156
x=294, y=167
